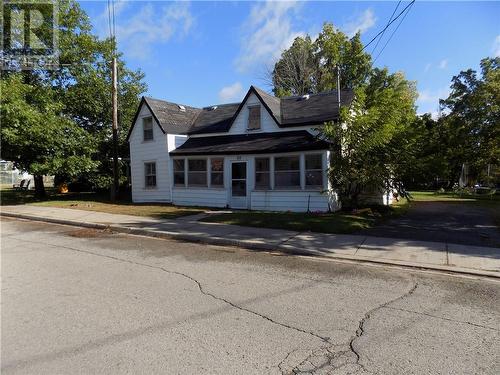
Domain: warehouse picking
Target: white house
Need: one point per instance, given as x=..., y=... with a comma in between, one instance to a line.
x=260, y=154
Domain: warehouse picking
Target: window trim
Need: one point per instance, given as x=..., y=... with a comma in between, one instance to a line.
x=199, y=172
x=321, y=169
x=183, y=172
x=268, y=172
x=299, y=170
x=211, y=172
x=144, y=139
x=146, y=175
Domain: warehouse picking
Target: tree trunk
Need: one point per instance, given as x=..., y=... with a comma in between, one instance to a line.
x=39, y=187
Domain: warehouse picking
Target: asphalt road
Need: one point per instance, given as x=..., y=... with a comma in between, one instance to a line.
x=79, y=301
x=467, y=223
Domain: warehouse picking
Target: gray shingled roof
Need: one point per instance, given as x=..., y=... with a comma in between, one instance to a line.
x=257, y=143
x=290, y=111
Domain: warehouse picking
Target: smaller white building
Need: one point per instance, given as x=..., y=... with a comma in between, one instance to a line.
x=260, y=154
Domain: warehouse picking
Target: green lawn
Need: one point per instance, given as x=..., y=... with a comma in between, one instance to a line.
x=96, y=202
x=338, y=222
x=432, y=196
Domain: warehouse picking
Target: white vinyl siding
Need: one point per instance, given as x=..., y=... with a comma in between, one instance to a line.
x=283, y=200
x=151, y=151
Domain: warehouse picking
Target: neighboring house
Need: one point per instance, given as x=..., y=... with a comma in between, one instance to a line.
x=260, y=154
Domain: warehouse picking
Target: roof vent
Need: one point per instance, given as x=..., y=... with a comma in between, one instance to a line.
x=181, y=108
x=305, y=97
x=212, y=108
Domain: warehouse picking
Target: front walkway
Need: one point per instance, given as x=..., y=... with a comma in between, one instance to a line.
x=442, y=256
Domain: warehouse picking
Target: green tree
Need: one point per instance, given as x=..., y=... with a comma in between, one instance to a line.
x=472, y=119
x=82, y=87
x=36, y=137
x=310, y=67
x=373, y=141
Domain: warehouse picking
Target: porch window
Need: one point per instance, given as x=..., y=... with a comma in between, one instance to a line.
x=287, y=172
x=217, y=172
x=254, y=118
x=150, y=175
x=262, y=174
x=179, y=169
x=314, y=171
x=147, y=127
x=197, y=172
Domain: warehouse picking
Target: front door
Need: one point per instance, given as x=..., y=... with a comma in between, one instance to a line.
x=239, y=184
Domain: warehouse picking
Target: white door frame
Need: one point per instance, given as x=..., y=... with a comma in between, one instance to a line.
x=237, y=201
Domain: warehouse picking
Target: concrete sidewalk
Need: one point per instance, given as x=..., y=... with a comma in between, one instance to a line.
x=473, y=260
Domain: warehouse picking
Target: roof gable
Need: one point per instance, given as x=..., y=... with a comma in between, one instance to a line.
x=143, y=102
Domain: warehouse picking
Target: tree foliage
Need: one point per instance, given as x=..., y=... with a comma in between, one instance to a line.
x=37, y=137
x=373, y=143
x=80, y=89
x=310, y=66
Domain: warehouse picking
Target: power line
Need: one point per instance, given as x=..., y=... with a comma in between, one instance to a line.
x=390, y=19
x=394, y=32
x=389, y=24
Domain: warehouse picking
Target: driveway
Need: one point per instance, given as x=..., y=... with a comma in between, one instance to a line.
x=468, y=223
x=81, y=301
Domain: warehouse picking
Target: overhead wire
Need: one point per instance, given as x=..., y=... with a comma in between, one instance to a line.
x=382, y=35
x=394, y=32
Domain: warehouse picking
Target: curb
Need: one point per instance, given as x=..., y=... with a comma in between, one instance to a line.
x=256, y=246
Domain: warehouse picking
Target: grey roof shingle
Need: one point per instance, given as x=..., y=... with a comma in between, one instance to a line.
x=287, y=112
x=259, y=143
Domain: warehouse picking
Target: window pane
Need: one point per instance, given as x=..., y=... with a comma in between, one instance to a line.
x=239, y=188
x=262, y=180
x=197, y=178
x=262, y=164
x=147, y=126
x=150, y=181
x=239, y=170
x=314, y=162
x=179, y=178
x=198, y=165
x=287, y=179
x=217, y=165
x=179, y=165
x=217, y=179
x=314, y=178
x=287, y=163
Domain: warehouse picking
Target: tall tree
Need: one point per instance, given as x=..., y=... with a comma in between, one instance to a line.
x=37, y=137
x=311, y=66
x=81, y=87
x=472, y=117
x=374, y=142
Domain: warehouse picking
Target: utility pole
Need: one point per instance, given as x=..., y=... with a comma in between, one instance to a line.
x=338, y=85
x=114, y=191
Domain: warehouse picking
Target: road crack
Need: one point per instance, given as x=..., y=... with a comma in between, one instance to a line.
x=333, y=357
x=200, y=288
x=361, y=327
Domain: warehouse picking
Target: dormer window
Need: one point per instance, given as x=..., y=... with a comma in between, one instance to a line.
x=147, y=127
x=254, y=118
